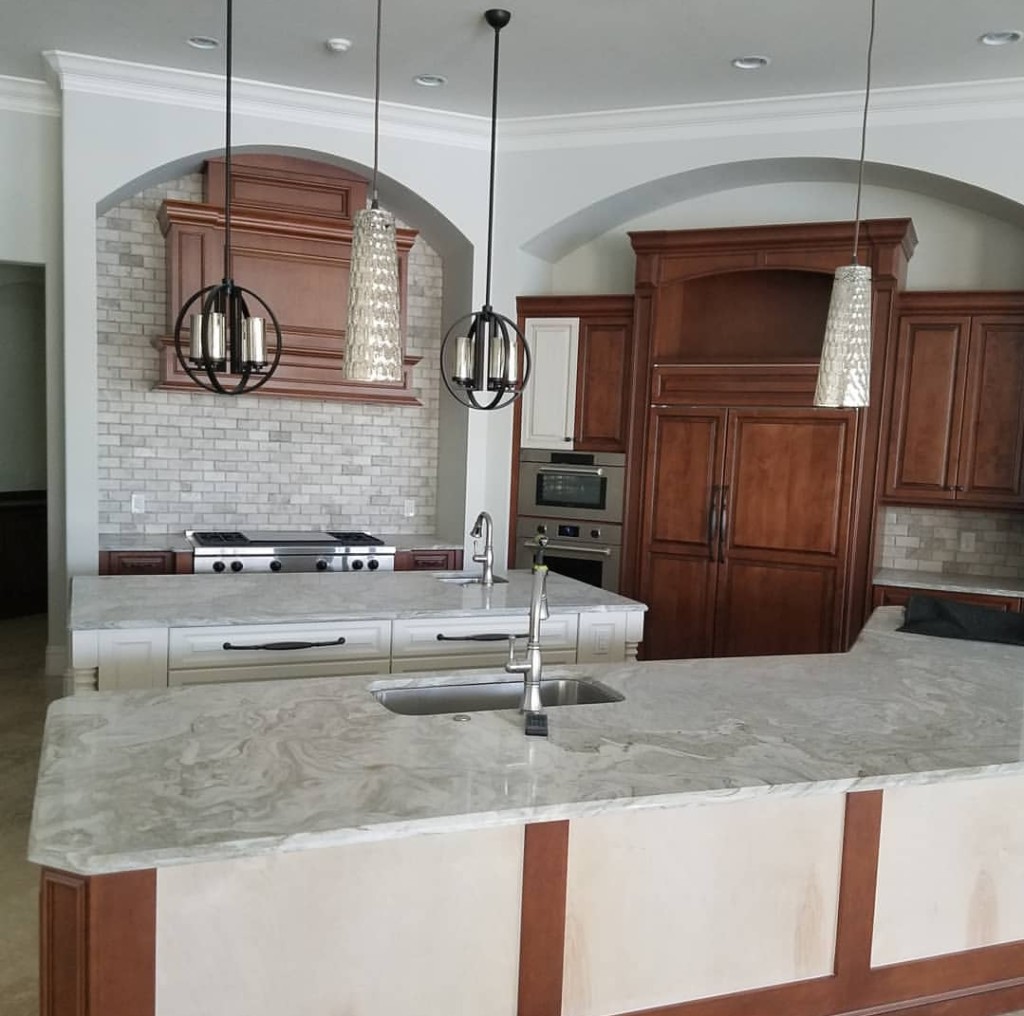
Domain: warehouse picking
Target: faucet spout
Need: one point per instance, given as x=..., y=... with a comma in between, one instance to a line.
x=531, y=666
x=484, y=527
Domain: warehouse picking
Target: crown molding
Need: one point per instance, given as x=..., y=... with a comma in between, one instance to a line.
x=77, y=72
x=23, y=95
x=972, y=100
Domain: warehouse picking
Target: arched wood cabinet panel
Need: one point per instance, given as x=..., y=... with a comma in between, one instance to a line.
x=760, y=539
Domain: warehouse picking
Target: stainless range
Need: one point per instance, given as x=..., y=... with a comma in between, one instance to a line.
x=271, y=552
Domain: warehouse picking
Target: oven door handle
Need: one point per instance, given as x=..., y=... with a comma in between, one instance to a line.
x=603, y=551
x=575, y=470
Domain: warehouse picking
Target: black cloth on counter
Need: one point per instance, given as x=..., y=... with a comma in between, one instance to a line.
x=951, y=619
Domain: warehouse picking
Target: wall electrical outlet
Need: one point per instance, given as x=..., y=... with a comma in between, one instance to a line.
x=409, y=511
x=967, y=540
x=138, y=504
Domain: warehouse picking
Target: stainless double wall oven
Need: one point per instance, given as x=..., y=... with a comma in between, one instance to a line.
x=575, y=499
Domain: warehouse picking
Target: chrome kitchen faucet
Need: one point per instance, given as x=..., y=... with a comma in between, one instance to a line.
x=484, y=527
x=530, y=668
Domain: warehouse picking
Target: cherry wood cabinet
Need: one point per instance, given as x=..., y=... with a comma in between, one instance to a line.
x=748, y=512
x=956, y=430
x=749, y=524
x=145, y=562
x=428, y=560
x=599, y=401
x=897, y=596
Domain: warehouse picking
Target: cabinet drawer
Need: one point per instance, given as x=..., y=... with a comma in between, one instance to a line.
x=897, y=596
x=420, y=637
x=203, y=648
x=277, y=671
x=494, y=660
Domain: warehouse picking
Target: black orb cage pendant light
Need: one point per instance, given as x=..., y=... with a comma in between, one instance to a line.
x=480, y=352
x=226, y=343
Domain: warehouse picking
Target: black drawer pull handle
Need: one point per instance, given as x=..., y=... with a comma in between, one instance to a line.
x=489, y=636
x=279, y=646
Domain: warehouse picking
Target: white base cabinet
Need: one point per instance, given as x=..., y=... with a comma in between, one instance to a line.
x=120, y=659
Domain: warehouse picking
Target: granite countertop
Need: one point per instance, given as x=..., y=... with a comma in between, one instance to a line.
x=186, y=601
x=949, y=583
x=140, y=779
x=175, y=542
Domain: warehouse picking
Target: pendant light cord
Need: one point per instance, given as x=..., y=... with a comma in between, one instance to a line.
x=863, y=134
x=227, y=150
x=376, y=111
x=494, y=140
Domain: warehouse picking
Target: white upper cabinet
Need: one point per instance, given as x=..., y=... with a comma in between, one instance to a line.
x=549, y=401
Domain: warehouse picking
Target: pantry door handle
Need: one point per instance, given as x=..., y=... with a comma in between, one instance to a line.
x=724, y=528
x=713, y=522
x=284, y=646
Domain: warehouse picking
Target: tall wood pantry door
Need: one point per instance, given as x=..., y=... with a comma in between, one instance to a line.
x=746, y=530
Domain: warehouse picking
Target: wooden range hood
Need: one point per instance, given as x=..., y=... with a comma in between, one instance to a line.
x=291, y=231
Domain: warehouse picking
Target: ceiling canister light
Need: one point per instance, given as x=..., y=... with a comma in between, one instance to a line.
x=844, y=375
x=373, y=333
x=224, y=338
x=480, y=354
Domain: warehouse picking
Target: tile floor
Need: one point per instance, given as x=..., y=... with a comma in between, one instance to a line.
x=24, y=695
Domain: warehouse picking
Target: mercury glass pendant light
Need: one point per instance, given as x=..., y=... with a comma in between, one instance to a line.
x=480, y=352
x=844, y=375
x=373, y=335
x=224, y=339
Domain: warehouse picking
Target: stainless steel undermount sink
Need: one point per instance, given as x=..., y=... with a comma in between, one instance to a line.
x=427, y=700
x=463, y=579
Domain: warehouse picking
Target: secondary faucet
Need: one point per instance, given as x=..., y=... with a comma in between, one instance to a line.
x=484, y=527
x=530, y=667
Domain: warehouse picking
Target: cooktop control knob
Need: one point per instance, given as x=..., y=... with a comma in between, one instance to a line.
x=321, y=565
x=357, y=565
x=595, y=534
x=236, y=566
x=373, y=564
x=275, y=565
x=218, y=566
x=542, y=529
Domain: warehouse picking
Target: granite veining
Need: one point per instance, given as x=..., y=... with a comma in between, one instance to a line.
x=139, y=779
x=949, y=583
x=158, y=601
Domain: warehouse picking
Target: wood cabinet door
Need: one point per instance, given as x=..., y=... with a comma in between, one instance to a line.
x=991, y=464
x=784, y=530
x=927, y=412
x=680, y=565
x=603, y=369
x=549, y=399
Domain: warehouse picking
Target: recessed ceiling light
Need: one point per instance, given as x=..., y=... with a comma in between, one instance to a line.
x=338, y=45
x=751, y=63
x=203, y=42
x=1000, y=38
x=430, y=80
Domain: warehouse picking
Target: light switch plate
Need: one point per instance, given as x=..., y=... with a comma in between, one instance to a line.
x=138, y=504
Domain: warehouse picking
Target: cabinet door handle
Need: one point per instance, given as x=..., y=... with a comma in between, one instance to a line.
x=724, y=527
x=487, y=636
x=712, y=522
x=285, y=646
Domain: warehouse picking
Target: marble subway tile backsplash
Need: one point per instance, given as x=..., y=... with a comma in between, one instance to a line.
x=951, y=541
x=210, y=462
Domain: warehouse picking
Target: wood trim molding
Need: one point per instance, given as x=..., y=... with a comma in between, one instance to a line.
x=959, y=302
x=97, y=944
x=978, y=982
x=542, y=927
x=615, y=304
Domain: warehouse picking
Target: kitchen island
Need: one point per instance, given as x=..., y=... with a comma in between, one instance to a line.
x=814, y=835
x=139, y=632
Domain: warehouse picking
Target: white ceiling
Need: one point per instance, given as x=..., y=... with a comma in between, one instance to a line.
x=558, y=56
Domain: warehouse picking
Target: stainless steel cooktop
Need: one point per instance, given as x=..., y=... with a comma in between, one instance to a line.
x=274, y=551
